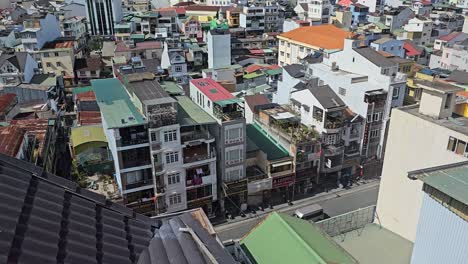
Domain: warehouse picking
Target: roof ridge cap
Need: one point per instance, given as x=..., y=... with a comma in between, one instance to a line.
x=300, y=238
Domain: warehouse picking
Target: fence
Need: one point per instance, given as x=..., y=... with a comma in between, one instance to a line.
x=348, y=222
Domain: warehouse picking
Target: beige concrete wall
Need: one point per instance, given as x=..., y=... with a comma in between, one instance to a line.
x=413, y=143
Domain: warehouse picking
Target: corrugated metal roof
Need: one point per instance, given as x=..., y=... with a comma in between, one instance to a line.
x=451, y=180
x=213, y=90
x=280, y=233
x=270, y=148
x=6, y=100
x=84, y=134
x=191, y=114
x=11, y=138
x=115, y=104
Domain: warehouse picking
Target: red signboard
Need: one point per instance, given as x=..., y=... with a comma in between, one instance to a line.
x=283, y=181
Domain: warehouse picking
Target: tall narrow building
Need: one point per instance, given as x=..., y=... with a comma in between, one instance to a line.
x=219, y=48
x=102, y=15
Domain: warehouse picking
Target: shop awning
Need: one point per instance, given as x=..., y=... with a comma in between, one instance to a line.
x=282, y=164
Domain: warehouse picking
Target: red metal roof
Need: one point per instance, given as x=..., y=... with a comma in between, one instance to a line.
x=213, y=90
x=121, y=47
x=410, y=50
x=11, y=138
x=178, y=10
x=89, y=117
x=6, y=100
x=254, y=68
x=450, y=36
x=86, y=96
x=202, y=8
x=256, y=51
x=345, y=3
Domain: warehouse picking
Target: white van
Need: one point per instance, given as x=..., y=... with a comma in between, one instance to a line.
x=312, y=212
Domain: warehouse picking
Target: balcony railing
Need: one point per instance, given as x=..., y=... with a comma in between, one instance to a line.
x=135, y=163
x=134, y=141
x=139, y=184
x=158, y=168
x=398, y=78
x=199, y=157
x=155, y=145
x=229, y=115
x=333, y=150
x=333, y=124
x=195, y=135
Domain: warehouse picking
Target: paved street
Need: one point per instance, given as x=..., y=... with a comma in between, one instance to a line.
x=334, y=203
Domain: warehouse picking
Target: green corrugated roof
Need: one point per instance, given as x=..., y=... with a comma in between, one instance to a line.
x=137, y=36
x=122, y=26
x=451, y=181
x=115, y=104
x=258, y=89
x=84, y=89
x=281, y=238
x=172, y=88
x=253, y=75
x=275, y=71
x=270, y=148
x=223, y=103
x=191, y=114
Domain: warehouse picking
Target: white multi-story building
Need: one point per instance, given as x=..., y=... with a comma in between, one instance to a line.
x=314, y=10
x=230, y=137
x=420, y=136
x=418, y=29
x=75, y=27
x=370, y=90
x=102, y=15
x=164, y=156
x=252, y=18
x=218, y=41
x=396, y=18
x=453, y=57
x=38, y=31
x=16, y=68
x=174, y=61
x=296, y=44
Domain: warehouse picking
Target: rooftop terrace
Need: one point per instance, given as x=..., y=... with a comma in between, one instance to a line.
x=116, y=107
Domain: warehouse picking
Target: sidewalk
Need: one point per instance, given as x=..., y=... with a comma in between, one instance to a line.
x=323, y=196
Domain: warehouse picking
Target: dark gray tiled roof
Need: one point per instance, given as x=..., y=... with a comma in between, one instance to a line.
x=48, y=219
x=375, y=57
x=295, y=70
x=460, y=77
x=180, y=247
x=326, y=96
x=18, y=59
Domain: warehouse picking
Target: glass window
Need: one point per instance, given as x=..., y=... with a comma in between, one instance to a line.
x=170, y=135
x=460, y=150
x=173, y=178
x=172, y=157
x=451, y=144
x=396, y=92
x=175, y=199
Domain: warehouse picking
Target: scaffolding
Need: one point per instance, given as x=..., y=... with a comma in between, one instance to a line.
x=354, y=220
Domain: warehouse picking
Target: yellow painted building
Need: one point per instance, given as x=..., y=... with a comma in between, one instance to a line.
x=412, y=88
x=86, y=137
x=59, y=61
x=461, y=105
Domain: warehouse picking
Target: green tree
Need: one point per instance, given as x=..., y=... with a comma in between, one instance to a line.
x=78, y=175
